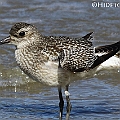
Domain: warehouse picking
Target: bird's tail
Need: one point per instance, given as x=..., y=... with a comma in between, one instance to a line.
x=105, y=52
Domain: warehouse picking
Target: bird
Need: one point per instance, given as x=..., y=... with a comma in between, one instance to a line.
x=59, y=60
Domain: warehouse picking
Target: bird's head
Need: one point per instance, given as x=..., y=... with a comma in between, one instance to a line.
x=21, y=34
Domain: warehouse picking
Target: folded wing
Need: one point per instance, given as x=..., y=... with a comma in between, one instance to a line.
x=84, y=57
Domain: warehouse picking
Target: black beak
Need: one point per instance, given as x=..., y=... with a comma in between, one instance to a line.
x=6, y=40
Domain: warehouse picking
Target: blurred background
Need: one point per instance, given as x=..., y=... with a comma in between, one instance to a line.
x=24, y=99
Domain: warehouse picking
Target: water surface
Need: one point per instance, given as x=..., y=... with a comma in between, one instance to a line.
x=23, y=99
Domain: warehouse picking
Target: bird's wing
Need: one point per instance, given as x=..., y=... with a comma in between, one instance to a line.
x=73, y=54
x=84, y=56
x=78, y=54
x=105, y=52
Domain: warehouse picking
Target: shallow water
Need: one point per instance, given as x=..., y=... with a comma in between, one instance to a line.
x=23, y=99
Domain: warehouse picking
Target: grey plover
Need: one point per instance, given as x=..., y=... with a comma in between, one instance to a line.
x=57, y=61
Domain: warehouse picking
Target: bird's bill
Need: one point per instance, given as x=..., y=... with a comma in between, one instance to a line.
x=6, y=40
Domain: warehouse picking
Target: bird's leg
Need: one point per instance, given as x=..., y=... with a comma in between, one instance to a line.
x=61, y=103
x=68, y=103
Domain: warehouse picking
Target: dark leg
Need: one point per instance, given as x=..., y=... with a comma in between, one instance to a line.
x=68, y=103
x=61, y=103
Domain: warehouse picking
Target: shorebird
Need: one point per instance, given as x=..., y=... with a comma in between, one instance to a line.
x=57, y=61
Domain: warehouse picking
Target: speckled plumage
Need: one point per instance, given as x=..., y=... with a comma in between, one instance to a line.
x=68, y=52
x=63, y=49
x=56, y=60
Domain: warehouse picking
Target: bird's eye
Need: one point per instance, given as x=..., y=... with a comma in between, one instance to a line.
x=22, y=33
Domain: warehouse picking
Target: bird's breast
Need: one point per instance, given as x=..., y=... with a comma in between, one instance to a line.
x=37, y=68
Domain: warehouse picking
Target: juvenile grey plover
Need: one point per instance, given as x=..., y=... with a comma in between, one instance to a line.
x=57, y=61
